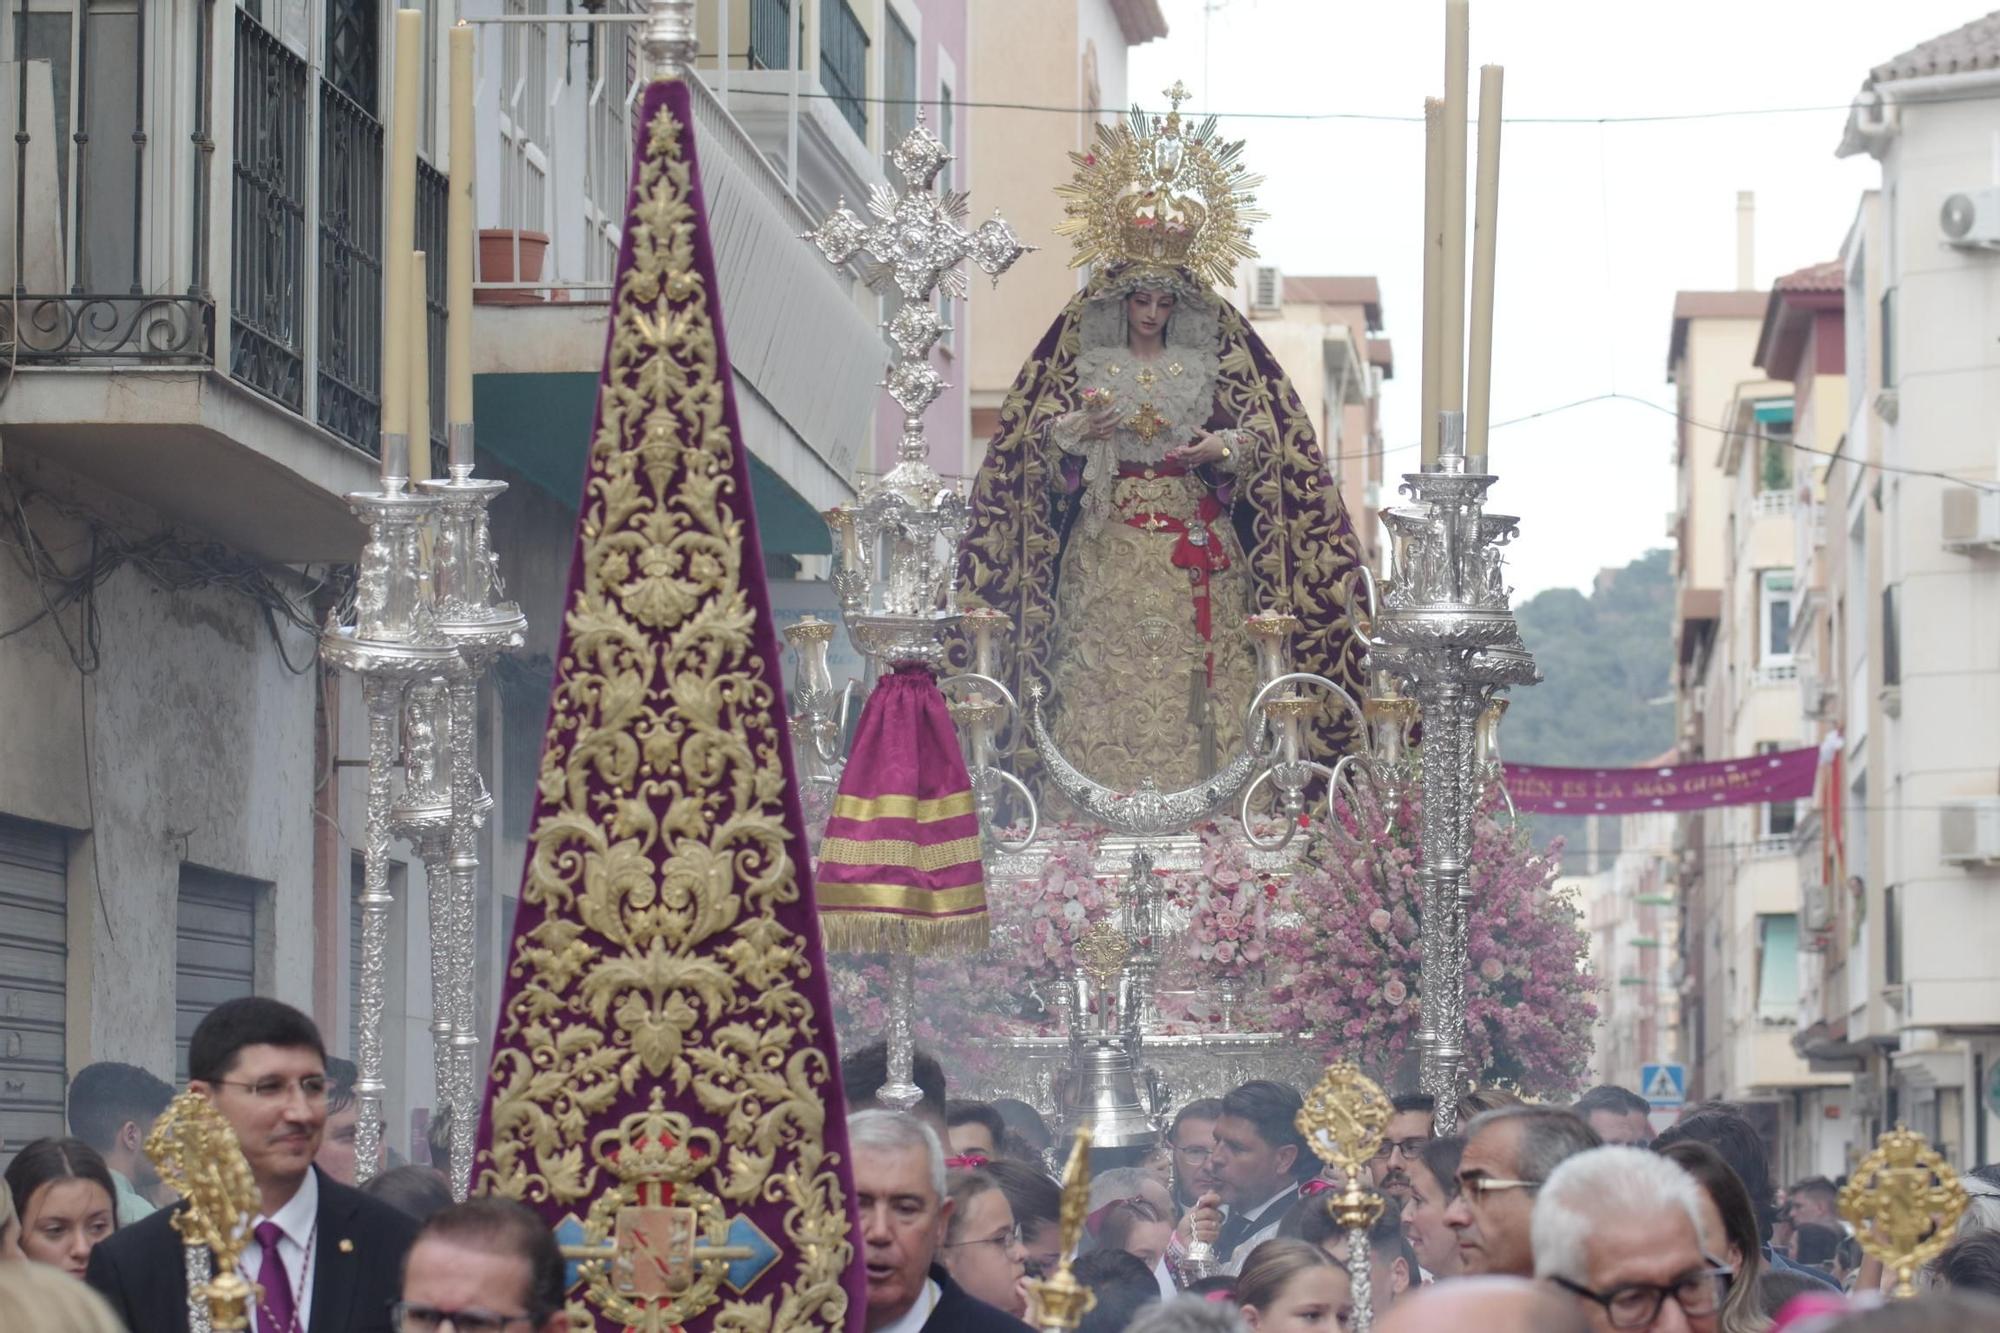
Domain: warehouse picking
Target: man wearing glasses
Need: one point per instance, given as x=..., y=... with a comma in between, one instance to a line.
x=324, y=1257
x=1509, y=1154
x=1409, y=1129
x=1620, y=1230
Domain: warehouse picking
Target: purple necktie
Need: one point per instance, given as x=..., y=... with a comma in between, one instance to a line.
x=274, y=1312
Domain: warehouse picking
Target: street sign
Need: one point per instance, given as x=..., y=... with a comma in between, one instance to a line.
x=1663, y=1085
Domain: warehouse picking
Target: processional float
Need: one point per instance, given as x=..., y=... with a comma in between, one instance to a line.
x=429, y=616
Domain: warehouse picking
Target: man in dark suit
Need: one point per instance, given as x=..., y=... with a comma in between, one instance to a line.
x=899, y=1183
x=325, y=1258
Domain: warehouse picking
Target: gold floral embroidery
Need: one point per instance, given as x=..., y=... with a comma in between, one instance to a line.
x=660, y=856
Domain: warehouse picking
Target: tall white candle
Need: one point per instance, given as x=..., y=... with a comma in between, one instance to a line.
x=461, y=240
x=1485, y=215
x=1456, y=43
x=406, y=106
x=1433, y=348
x=416, y=316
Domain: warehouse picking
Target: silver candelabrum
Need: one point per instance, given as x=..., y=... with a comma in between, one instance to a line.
x=896, y=548
x=1446, y=629
x=430, y=616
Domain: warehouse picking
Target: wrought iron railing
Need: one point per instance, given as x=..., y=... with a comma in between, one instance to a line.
x=843, y=62
x=268, y=256
x=85, y=181
x=770, y=34
x=350, y=270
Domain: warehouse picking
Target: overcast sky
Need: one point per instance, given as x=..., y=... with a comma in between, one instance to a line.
x=1599, y=224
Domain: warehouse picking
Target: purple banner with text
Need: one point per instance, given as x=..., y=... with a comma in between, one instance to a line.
x=1784, y=776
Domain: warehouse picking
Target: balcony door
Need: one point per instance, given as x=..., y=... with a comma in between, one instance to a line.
x=526, y=54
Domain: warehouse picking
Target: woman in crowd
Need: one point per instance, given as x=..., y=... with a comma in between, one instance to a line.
x=982, y=1246
x=63, y=1193
x=1289, y=1286
x=1731, y=1226
x=1433, y=1185
x=1037, y=1204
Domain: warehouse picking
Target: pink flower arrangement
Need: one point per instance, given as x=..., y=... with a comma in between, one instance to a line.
x=1347, y=972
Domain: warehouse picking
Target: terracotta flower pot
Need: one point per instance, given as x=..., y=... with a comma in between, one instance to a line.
x=497, y=248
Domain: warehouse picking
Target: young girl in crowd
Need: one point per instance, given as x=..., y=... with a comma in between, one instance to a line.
x=1289, y=1286
x=63, y=1193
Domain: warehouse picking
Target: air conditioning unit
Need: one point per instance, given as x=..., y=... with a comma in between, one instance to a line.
x=1969, y=831
x=1972, y=219
x=1267, y=290
x=1817, y=699
x=1969, y=519
x=1816, y=908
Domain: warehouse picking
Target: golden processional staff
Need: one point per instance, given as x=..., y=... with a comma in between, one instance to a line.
x=197, y=1155
x=1342, y=1120
x=1904, y=1203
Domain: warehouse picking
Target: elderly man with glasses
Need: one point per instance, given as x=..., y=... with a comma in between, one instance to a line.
x=1509, y=1154
x=1620, y=1230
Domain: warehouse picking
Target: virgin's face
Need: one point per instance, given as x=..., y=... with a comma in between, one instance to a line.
x=1309, y=1303
x=1423, y=1222
x=1146, y=312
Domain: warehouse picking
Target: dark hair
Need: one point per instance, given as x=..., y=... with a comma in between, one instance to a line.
x=962, y=1185
x=495, y=1225
x=1311, y=1221
x=1814, y=1244
x=1932, y=1312
x=1739, y=1224
x=1035, y=1199
x=864, y=1072
x=1205, y=1287
x=1971, y=1263
x=106, y=1096
x=1479, y=1101
x=958, y=1113
x=1016, y=1148
x=1818, y=1186
x=1025, y=1121
x=1123, y=1284
x=1201, y=1108
x=1612, y=1100
x=1779, y=1287
x=340, y=1077
x=1441, y=1157
x=1273, y=1111
x=415, y=1191
x=1404, y=1102
x=251, y=1020
x=1726, y=1129
x=1550, y=1135
x=46, y=1161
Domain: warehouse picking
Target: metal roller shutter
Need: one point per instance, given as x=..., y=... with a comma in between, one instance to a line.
x=215, y=949
x=34, y=959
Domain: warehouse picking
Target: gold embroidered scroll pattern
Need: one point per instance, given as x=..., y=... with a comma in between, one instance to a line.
x=660, y=859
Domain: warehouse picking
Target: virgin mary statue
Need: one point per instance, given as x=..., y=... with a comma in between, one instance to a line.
x=1155, y=479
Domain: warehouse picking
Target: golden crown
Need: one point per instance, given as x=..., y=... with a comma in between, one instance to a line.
x=1156, y=192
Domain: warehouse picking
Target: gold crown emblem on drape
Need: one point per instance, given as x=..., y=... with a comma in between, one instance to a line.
x=1162, y=194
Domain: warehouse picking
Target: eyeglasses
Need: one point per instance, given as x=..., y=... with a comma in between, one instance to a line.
x=1638, y=1304
x=412, y=1318
x=1478, y=1189
x=312, y=1087
x=1195, y=1153
x=1004, y=1240
x=1408, y=1147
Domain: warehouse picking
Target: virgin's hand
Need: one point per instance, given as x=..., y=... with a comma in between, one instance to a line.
x=1210, y=448
x=1099, y=420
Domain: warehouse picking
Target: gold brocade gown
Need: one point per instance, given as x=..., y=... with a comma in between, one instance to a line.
x=1138, y=690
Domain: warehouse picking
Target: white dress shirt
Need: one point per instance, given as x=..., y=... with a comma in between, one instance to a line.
x=919, y=1312
x=1268, y=1216
x=296, y=1221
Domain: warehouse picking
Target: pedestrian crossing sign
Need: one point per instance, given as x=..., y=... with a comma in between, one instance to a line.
x=1663, y=1085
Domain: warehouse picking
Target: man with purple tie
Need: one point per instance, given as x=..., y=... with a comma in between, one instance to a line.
x=324, y=1258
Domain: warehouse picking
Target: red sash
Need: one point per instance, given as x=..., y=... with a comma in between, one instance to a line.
x=1198, y=550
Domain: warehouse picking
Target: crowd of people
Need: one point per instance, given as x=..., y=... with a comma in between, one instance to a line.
x=1535, y=1217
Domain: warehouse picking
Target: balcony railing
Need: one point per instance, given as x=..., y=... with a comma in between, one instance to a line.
x=770, y=34
x=81, y=291
x=843, y=61
x=1774, y=504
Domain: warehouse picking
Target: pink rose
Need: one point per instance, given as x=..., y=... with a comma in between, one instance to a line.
x=1492, y=970
x=1224, y=952
x=1395, y=992
x=1379, y=919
